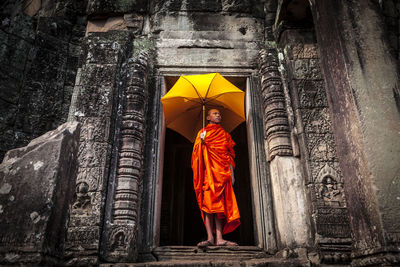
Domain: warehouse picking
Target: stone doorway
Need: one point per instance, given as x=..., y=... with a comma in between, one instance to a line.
x=181, y=222
x=155, y=241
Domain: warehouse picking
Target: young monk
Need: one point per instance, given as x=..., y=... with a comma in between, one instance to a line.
x=213, y=177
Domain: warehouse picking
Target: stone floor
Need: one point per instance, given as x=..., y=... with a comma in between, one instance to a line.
x=243, y=256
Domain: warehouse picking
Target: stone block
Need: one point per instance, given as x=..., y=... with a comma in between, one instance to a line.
x=6, y=139
x=84, y=235
x=188, y=5
x=36, y=189
x=306, y=69
x=46, y=66
x=57, y=27
x=14, y=53
x=32, y=7
x=100, y=7
x=209, y=26
x=9, y=88
x=106, y=47
x=105, y=25
x=7, y=113
x=23, y=27
x=51, y=43
x=333, y=222
x=95, y=101
x=93, y=74
x=303, y=51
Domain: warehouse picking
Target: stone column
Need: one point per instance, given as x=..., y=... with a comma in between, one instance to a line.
x=122, y=214
x=290, y=202
x=363, y=94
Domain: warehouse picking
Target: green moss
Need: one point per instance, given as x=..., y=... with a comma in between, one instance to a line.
x=271, y=44
x=143, y=45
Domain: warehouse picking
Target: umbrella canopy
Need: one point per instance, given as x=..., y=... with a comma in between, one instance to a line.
x=183, y=104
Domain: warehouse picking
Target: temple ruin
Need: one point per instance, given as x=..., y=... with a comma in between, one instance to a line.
x=92, y=177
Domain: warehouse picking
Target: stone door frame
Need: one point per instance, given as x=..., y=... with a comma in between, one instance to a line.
x=264, y=231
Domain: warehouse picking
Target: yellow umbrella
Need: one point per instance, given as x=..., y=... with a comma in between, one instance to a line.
x=184, y=105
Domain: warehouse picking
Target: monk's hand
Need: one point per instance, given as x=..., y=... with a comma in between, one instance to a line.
x=232, y=174
x=203, y=136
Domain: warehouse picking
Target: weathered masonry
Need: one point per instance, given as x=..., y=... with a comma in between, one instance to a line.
x=318, y=176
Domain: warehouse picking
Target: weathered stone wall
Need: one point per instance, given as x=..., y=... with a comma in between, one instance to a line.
x=39, y=56
x=96, y=103
x=207, y=34
x=43, y=66
x=390, y=11
x=362, y=79
x=321, y=168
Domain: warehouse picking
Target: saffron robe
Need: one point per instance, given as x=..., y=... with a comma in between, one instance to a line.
x=212, y=176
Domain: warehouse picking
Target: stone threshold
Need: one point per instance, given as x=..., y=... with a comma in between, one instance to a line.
x=242, y=256
x=211, y=252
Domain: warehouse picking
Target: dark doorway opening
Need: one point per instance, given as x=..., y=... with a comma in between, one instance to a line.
x=181, y=223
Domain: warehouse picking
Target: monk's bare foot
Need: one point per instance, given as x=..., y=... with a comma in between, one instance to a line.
x=226, y=243
x=206, y=243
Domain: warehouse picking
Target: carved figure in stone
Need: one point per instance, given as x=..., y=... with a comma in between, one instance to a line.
x=329, y=191
x=213, y=186
x=82, y=198
x=118, y=240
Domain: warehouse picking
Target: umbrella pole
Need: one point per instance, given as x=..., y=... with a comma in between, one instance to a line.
x=204, y=115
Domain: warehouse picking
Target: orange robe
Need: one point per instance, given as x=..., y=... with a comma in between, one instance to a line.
x=212, y=176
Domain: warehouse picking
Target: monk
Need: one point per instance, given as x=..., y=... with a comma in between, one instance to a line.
x=213, y=177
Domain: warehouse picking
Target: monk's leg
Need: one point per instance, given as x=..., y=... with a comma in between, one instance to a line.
x=219, y=241
x=209, y=222
x=218, y=231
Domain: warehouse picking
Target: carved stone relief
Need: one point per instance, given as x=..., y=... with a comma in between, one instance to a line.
x=121, y=231
x=82, y=199
x=96, y=105
x=319, y=154
x=330, y=188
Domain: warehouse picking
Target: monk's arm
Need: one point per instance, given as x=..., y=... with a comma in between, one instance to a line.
x=232, y=174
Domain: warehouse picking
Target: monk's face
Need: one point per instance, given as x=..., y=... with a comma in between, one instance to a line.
x=214, y=116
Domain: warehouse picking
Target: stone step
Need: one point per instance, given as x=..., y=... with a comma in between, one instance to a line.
x=211, y=252
x=215, y=256
x=266, y=262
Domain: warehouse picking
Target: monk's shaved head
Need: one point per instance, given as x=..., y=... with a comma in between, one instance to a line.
x=209, y=111
x=214, y=116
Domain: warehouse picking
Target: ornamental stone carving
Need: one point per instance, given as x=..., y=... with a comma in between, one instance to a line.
x=277, y=130
x=122, y=217
x=330, y=187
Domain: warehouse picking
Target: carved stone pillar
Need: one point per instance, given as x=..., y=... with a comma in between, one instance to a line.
x=291, y=205
x=95, y=105
x=120, y=237
x=277, y=132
